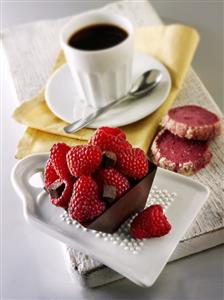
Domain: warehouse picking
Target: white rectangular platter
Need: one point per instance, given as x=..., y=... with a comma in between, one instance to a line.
x=139, y=261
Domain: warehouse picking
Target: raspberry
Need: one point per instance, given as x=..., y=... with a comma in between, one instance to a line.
x=60, y=192
x=58, y=158
x=109, y=139
x=83, y=160
x=49, y=174
x=114, y=178
x=113, y=131
x=85, y=203
x=151, y=222
x=132, y=163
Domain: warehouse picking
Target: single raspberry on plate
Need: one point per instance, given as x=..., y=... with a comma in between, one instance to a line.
x=151, y=222
x=112, y=177
x=110, y=139
x=58, y=158
x=85, y=202
x=49, y=174
x=83, y=159
x=113, y=131
x=133, y=163
x=60, y=192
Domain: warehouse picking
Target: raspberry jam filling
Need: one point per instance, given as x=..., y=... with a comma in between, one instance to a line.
x=180, y=150
x=193, y=115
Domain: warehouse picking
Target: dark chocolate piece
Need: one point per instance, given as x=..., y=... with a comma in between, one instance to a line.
x=56, y=189
x=132, y=202
x=109, y=159
x=109, y=193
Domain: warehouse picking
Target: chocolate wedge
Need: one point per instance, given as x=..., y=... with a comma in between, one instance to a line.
x=132, y=202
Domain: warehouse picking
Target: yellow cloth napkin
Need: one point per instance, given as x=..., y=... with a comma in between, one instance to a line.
x=173, y=45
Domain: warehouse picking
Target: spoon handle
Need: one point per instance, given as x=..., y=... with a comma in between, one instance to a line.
x=79, y=124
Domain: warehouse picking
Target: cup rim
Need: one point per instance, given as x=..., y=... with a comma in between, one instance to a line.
x=64, y=41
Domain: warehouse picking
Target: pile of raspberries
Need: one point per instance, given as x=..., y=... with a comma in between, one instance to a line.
x=86, y=179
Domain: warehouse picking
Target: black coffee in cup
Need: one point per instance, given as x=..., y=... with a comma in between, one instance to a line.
x=97, y=37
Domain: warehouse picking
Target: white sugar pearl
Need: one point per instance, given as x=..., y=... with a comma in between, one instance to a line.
x=69, y=222
x=84, y=229
x=77, y=225
x=126, y=248
x=173, y=194
x=135, y=252
x=115, y=242
x=98, y=235
x=106, y=239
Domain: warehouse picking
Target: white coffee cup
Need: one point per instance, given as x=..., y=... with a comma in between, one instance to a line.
x=100, y=76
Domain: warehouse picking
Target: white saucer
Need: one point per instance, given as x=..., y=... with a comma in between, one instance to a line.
x=63, y=100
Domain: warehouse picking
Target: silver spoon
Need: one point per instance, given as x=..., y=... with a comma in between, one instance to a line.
x=141, y=87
